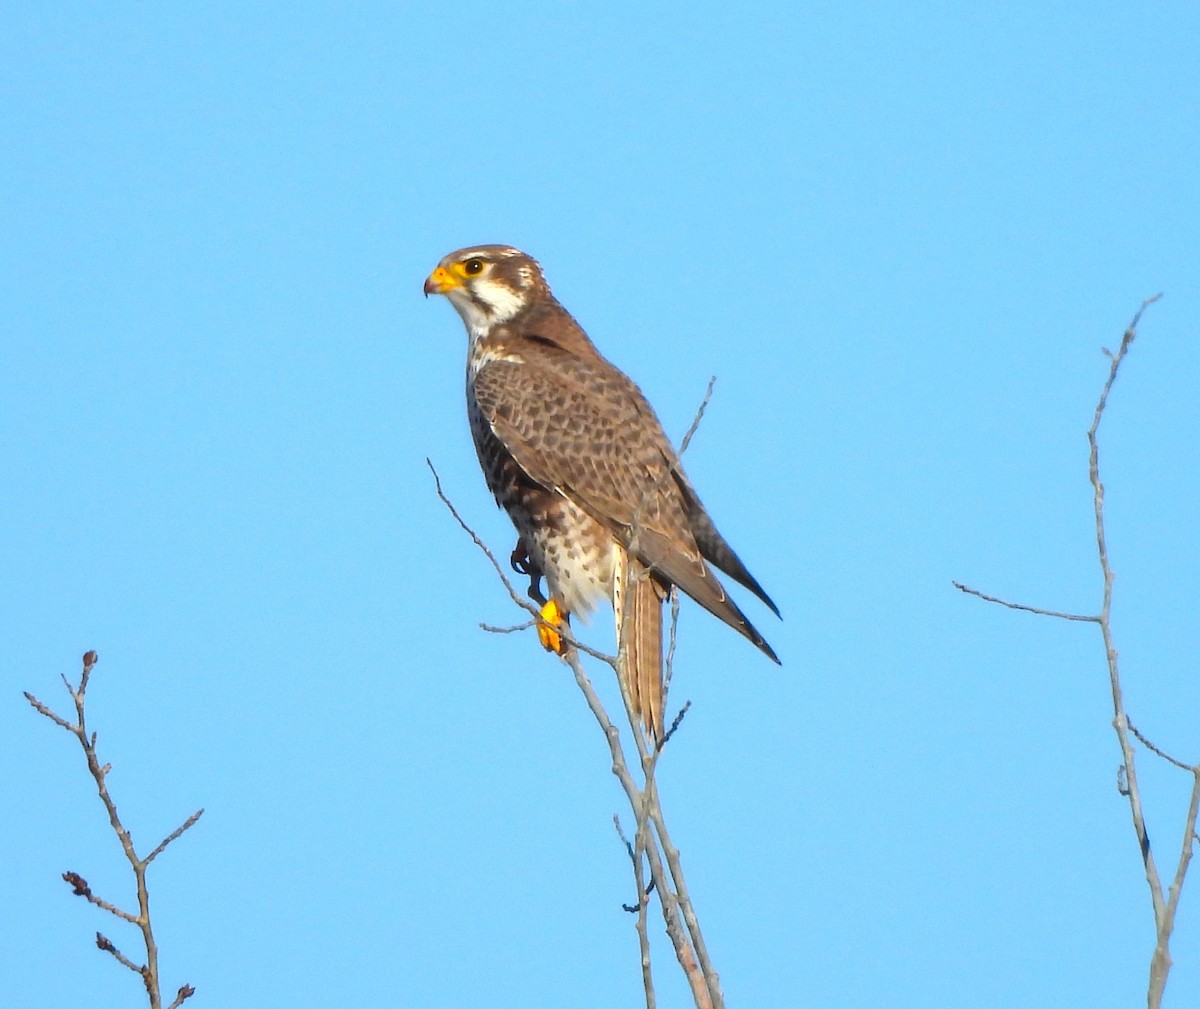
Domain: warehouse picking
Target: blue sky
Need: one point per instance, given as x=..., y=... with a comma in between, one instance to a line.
x=898, y=238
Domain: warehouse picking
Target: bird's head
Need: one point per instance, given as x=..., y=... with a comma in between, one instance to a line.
x=487, y=284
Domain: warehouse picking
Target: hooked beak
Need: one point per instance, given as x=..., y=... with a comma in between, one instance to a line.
x=441, y=281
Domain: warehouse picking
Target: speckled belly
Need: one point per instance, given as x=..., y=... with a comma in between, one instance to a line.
x=572, y=550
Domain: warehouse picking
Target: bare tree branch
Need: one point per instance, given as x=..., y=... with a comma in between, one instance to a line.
x=104, y=943
x=1021, y=606
x=641, y=909
x=644, y=802
x=174, y=835
x=79, y=886
x=185, y=992
x=690, y=433
x=1155, y=750
x=1164, y=904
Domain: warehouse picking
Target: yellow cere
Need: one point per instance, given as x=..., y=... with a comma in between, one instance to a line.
x=442, y=280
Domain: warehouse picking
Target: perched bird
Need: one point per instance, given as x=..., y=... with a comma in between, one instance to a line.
x=573, y=452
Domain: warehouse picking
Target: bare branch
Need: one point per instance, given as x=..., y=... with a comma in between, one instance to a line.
x=695, y=425
x=512, y=629
x=640, y=909
x=1120, y=721
x=189, y=822
x=669, y=661
x=1164, y=905
x=1190, y=768
x=678, y=721
x=104, y=943
x=1021, y=606
x=525, y=604
x=79, y=886
x=185, y=992
x=56, y=718
x=645, y=806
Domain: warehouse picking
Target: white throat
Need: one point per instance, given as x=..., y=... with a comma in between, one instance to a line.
x=489, y=304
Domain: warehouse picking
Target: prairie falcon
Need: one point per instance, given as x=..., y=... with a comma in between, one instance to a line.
x=573, y=452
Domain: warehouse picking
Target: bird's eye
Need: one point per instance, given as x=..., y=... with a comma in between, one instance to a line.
x=472, y=267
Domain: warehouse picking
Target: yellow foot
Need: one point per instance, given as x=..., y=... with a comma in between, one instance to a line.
x=552, y=619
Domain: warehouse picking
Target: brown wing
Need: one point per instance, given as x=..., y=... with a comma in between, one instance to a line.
x=583, y=429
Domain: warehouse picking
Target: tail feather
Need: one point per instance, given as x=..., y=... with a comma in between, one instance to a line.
x=644, y=654
x=637, y=603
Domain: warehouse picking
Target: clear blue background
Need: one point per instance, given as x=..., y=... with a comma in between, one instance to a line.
x=899, y=239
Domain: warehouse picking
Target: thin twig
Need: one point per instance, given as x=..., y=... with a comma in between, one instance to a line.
x=1021, y=606
x=1120, y=720
x=676, y=722
x=79, y=886
x=1164, y=905
x=185, y=992
x=669, y=661
x=525, y=604
x=1160, y=964
x=1190, y=768
x=511, y=629
x=104, y=943
x=639, y=800
x=174, y=835
x=690, y=433
x=641, y=909
x=671, y=854
x=56, y=718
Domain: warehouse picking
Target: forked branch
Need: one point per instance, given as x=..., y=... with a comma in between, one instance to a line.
x=147, y=971
x=1164, y=903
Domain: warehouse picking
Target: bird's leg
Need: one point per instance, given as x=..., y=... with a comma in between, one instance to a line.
x=554, y=615
x=523, y=564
